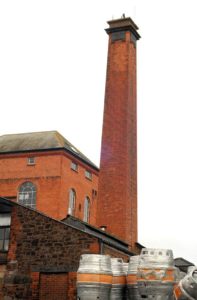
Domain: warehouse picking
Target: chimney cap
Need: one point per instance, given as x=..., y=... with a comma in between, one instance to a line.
x=123, y=24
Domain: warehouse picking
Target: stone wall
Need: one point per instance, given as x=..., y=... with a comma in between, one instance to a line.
x=38, y=242
x=41, y=245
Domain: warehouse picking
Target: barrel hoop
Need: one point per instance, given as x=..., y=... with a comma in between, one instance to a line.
x=177, y=292
x=131, y=279
x=101, y=278
x=119, y=280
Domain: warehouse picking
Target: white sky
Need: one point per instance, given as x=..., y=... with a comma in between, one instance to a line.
x=52, y=77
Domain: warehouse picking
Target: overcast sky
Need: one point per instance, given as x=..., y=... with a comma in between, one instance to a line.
x=52, y=77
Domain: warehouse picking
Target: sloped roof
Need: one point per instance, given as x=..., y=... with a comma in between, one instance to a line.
x=107, y=238
x=75, y=223
x=36, y=141
x=182, y=264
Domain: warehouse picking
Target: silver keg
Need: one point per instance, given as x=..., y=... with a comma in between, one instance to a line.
x=94, y=277
x=187, y=288
x=156, y=273
x=118, y=279
x=132, y=287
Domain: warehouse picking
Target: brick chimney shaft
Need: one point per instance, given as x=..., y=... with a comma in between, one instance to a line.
x=117, y=191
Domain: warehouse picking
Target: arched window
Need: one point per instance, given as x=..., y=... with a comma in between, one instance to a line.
x=27, y=194
x=86, y=215
x=72, y=200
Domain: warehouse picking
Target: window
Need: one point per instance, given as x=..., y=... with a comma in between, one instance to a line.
x=31, y=160
x=72, y=200
x=27, y=194
x=88, y=174
x=74, y=166
x=86, y=210
x=4, y=231
x=94, y=193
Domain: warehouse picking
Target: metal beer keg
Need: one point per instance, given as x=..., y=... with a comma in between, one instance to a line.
x=94, y=277
x=187, y=287
x=118, y=279
x=156, y=273
x=132, y=287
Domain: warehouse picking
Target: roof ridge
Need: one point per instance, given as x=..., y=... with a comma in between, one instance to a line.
x=32, y=132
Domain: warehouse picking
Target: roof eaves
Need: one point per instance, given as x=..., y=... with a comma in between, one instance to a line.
x=98, y=233
x=89, y=163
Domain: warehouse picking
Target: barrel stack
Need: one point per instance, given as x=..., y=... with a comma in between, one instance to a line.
x=150, y=275
x=94, y=277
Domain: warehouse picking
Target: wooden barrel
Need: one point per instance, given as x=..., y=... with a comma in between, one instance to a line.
x=94, y=277
x=118, y=279
x=187, y=287
x=156, y=273
x=132, y=287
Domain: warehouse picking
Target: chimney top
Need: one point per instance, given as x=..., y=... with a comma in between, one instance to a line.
x=123, y=24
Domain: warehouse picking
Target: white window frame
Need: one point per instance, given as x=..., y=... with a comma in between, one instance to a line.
x=31, y=160
x=74, y=166
x=72, y=202
x=5, y=220
x=88, y=174
x=86, y=215
x=27, y=194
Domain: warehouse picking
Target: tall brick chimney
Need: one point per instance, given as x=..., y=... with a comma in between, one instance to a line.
x=117, y=191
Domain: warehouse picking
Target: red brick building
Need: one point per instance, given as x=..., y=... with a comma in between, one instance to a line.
x=44, y=178
x=44, y=171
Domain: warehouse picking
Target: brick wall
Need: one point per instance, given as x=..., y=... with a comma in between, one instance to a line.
x=39, y=242
x=107, y=250
x=82, y=185
x=53, y=178
x=53, y=286
x=42, y=245
x=117, y=192
x=42, y=250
